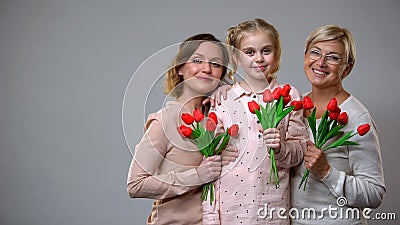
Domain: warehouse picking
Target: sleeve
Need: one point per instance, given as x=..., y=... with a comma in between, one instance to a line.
x=295, y=135
x=144, y=180
x=365, y=186
x=211, y=211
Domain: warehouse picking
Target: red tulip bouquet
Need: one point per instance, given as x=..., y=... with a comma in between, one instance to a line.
x=331, y=125
x=274, y=111
x=205, y=139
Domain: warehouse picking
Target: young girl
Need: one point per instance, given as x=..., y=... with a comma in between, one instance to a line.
x=244, y=193
x=167, y=167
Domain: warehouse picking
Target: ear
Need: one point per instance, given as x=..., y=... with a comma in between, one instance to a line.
x=180, y=73
x=347, y=70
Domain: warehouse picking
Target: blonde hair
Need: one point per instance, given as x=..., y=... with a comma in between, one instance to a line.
x=186, y=50
x=236, y=34
x=331, y=33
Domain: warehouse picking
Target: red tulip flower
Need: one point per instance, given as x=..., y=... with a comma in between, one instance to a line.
x=298, y=105
x=185, y=131
x=343, y=118
x=331, y=124
x=307, y=103
x=213, y=116
x=210, y=125
x=267, y=96
x=334, y=115
x=233, y=130
x=277, y=93
x=208, y=143
x=286, y=100
x=332, y=105
x=187, y=118
x=363, y=129
x=270, y=115
x=286, y=90
x=198, y=115
x=253, y=106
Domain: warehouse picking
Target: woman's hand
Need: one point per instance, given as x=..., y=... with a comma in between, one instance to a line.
x=229, y=154
x=272, y=138
x=315, y=161
x=215, y=97
x=209, y=169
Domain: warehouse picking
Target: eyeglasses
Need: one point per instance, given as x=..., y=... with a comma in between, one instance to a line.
x=212, y=64
x=332, y=59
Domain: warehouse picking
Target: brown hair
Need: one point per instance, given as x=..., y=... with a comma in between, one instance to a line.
x=186, y=50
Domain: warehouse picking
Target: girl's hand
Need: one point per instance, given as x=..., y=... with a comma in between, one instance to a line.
x=315, y=161
x=229, y=154
x=216, y=95
x=272, y=138
x=209, y=169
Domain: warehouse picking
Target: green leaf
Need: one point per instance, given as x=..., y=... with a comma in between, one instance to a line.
x=261, y=119
x=264, y=115
x=334, y=124
x=282, y=115
x=332, y=133
x=271, y=117
x=215, y=142
x=339, y=142
x=313, y=123
x=348, y=143
x=224, y=142
x=322, y=129
x=279, y=108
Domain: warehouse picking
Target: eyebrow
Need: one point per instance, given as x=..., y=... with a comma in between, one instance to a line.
x=212, y=59
x=329, y=53
x=251, y=47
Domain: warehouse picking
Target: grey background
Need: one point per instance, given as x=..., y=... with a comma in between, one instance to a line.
x=65, y=65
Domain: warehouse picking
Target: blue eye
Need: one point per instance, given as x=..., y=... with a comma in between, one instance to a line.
x=267, y=51
x=248, y=52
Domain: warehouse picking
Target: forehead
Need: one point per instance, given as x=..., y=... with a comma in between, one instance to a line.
x=256, y=38
x=209, y=50
x=330, y=46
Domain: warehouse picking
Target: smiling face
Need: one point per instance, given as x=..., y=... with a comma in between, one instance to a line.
x=203, y=70
x=256, y=56
x=321, y=72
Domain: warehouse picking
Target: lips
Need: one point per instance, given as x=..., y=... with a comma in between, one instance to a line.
x=320, y=72
x=262, y=68
x=204, y=78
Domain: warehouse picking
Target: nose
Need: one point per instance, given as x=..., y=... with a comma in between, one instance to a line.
x=321, y=62
x=259, y=57
x=206, y=67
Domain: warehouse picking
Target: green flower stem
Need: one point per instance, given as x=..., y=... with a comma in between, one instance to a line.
x=208, y=188
x=274, y=170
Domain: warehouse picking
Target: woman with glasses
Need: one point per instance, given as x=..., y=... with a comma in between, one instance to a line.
x=167, y=167
x=343, y=180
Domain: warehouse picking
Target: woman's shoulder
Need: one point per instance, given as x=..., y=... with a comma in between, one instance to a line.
x=356, y=110
x=166, y=115
x=352, y=103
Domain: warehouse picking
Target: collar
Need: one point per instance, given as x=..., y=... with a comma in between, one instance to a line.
x=239, y=90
